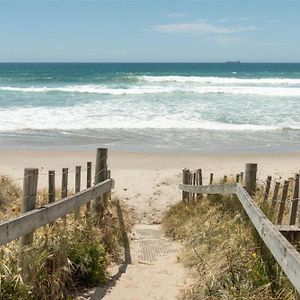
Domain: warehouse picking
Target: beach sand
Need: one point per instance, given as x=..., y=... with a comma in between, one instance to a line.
x=148, y=185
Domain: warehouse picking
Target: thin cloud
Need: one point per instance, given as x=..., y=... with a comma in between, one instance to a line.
x=200, y=28
x=225, y=40
x=177, y=15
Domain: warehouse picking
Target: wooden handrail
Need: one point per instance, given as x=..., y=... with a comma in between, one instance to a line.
x=28, y=222
x=284, y=253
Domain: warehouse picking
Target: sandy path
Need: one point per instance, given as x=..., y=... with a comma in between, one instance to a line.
x=153, y=272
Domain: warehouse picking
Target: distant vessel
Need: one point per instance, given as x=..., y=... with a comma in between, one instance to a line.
x=232, y=62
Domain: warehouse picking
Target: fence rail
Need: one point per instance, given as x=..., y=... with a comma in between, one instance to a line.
x=33, y=219
x=272, y=235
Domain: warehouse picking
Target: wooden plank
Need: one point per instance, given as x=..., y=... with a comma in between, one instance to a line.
x=290, y=228
x=285, y=254
x=224, y=189
x=28, y=222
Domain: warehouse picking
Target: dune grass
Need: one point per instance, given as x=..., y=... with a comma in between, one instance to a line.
x=226, y=258
x=63, y=258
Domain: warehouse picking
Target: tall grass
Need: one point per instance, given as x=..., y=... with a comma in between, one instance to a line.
x=222, y=250
x=63, y=256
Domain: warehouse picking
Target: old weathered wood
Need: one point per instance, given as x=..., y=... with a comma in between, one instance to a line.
x=267, y=189
x=88, y=182
x=282, y=201
x=185, y=180
x=211, y=178
x=224, y=189
x=237, y=178
x=274, y=198
x=250, y=178
x=285, y=254
x=30, y=183
x=199, y=182
x=224, y=179
x=64, y=183
x=28, y=222
x=77, y=187
x=295, y=201
x=51, y=186
x=241, y=177
x=108, y=177
x=100, y=203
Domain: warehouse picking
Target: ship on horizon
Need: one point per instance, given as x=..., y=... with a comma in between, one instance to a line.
x=233, y=62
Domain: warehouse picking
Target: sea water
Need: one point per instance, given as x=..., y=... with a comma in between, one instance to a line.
x=204, y=108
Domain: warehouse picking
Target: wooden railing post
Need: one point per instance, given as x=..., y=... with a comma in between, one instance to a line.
x=237, y=178
x=30, y=183
x=64, y=185
x=211, y=178
x=282, y=202
x=199, y=182
x=268, y=186
x=77, y=187
x=274, y=198
x=295, y=201
x=185, y=180
x=241, y=177
x=250, y=179
x=100, y=203
x=88, y=182
x=51, y=186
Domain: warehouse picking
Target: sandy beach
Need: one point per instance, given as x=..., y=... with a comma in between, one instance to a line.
x=147, y=183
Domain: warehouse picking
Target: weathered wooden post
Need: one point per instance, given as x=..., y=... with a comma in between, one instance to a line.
x=194, y=182
x=200, y=182
x=64, y=186
x=51, y=186
x=185, y=180
x=100, y=203
x=241, y=177
x=88, y=182
x=274, y=198
x=30, y=183
x=282, y=202
x=108, y=193
x=237, y=178
x=295, y=201
x=211, y=178
x=267, y=190
x=250, y=178
x=77, y=187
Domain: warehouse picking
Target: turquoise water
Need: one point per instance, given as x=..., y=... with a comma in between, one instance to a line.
x=151, y=107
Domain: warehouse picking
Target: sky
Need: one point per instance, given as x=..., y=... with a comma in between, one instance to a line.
x=149, y=30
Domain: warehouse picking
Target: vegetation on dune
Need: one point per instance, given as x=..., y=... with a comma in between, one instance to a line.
x=224, y=253
x=64, y=256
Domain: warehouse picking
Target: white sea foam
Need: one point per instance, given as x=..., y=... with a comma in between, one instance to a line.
x=221, y=80
x=99, y=116
x=140, y=90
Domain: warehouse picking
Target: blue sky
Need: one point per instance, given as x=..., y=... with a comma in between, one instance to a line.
x=149, y=30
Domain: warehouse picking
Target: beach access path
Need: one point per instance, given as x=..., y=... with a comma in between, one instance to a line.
x=148, y=185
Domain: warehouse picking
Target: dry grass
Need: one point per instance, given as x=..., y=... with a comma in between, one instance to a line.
x=63, y=257
x=222, y=250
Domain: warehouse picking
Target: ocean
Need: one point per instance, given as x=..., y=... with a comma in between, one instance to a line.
x=162, y=107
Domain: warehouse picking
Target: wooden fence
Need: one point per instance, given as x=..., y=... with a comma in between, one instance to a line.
x=277, y=237
x=32, y=218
